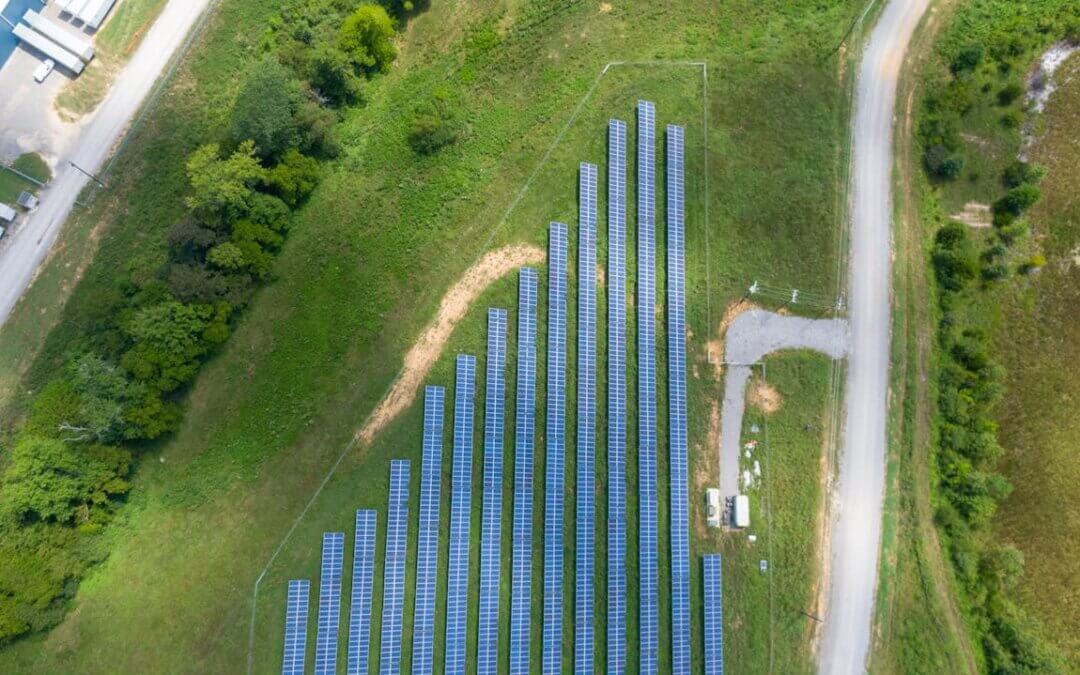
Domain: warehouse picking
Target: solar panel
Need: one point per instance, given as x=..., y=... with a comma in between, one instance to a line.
x=616, y=435
x=556, y=448
x=333, y=554
x=296, y=617
x=491, y=521
x=360, y=608
x=647, y=447
x=585, y=559
x=524, y=431
x=714, y=615
x=457, y=590
x=677, y=424
x=397, y=530
x=427, y=549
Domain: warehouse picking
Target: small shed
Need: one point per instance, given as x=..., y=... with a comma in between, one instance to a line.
x=27, y=200
x=7, y=214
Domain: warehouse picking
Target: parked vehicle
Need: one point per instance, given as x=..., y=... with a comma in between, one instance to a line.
x=43, y=70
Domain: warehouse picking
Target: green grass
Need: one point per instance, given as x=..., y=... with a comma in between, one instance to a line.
x=12, y=184
x=769, y=617
x=365, y=266
x=1039, y=427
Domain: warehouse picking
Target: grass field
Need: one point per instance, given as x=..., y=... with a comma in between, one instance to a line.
x=12, y=184
x=366, y=265
x=1037, y=343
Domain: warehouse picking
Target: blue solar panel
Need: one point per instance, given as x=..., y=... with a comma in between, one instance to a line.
x=457, y=593
x=360, y=608
x=680, y=500
x=616, y=593
x=524, y=431
x=585, y=560
x=397, y=530
x=714, y=615
x=491, y=522
x=647, y=448
x=556, y=449
x=333, y=555
x=296, y=617
x=427, y=550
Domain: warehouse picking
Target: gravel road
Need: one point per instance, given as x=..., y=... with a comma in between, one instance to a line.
x=749, y=338
x=856, y=527
x=34, y=235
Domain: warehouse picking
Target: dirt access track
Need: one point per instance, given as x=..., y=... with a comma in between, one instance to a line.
x=429, y=347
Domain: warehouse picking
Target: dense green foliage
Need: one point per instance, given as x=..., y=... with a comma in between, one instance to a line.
x=125, y=381
x=984, y=55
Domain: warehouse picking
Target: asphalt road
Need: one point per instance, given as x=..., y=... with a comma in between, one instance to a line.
x=857, y=502
x=35, y=234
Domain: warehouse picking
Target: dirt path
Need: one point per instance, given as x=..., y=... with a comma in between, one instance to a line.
x=427, y=349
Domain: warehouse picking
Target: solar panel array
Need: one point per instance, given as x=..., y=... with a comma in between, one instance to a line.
x=397, y=529
x=363, y=575
x=491, y=521
x=556, y=450
x=296, y=617
x=680, y=499
x=554, y=498
x=457, y=590
x=714, y=615
x=647, y=537
x=427, y=550
x=616, y=487
x=585, y=560
x=521, y=566
x=333, y=556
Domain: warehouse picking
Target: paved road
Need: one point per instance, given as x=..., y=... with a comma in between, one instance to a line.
x=856, y=528
x=749, y=338
x=34, y=235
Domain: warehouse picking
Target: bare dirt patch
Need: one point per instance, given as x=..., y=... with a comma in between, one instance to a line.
x=427, y=349
x=605, y=7
x=763, y=396
x=707, y=468
x=975, y=214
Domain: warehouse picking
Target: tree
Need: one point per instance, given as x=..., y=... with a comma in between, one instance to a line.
x=227, y=256
x=221, y=189
x=294, y=177
x=366, y=38
x=266, y=109
x=167, y=344
x=332, y=75
x=49, y=480
x=1018, y=173
x=943, y=164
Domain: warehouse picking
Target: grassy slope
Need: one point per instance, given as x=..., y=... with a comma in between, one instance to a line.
x=1037, y=343
x=367, y=263
x=918, y=628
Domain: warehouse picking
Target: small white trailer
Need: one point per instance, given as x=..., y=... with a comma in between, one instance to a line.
x=75, y=7
x=49, y=48
x=74, y=44
x=742, y=512
x=7, y=214
x=712, y=507
x=95, y=11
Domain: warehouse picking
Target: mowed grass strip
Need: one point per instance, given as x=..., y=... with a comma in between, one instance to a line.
x=367, y=263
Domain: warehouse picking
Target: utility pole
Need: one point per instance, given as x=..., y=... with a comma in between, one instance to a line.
x=87, y=174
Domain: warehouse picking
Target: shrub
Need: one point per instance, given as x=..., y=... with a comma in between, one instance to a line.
x=943, y=164
x=1018, y=199
x=294, y=178
x=433, y=127
x=1009, y=93
x=1018, y=173
x=331, y=76
x=967, y=59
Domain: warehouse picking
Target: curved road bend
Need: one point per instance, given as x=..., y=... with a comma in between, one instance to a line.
x=31, y=242
x=856, y=528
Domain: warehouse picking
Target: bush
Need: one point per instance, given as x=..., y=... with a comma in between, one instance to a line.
x=1009, y=93
x=433, y=127
x=967, y=59
x=943, y=164
x=1018, y=173
x=1018, y=199
x=331, y=76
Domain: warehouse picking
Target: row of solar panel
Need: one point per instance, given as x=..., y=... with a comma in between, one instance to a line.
x=491, y=521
